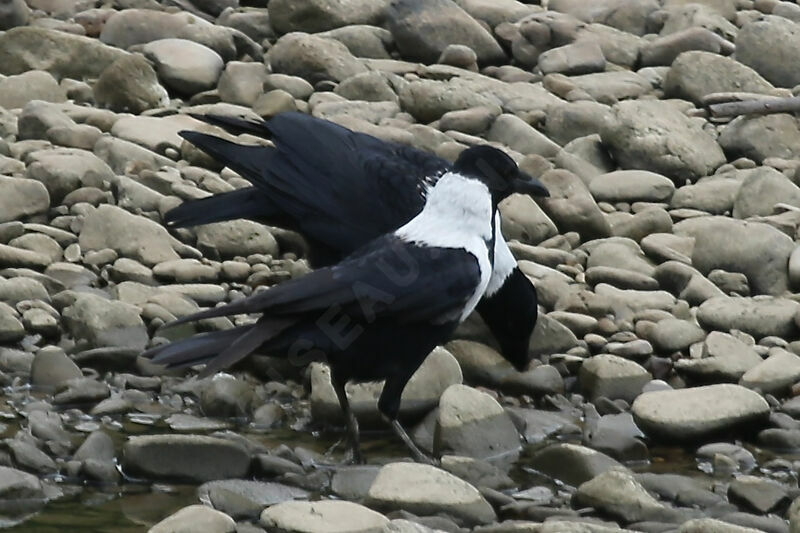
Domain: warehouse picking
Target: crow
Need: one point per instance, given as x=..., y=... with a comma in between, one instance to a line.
x=341, y=189
x=378, y=313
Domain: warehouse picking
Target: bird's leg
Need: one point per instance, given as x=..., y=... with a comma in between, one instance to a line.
x=389, y=406
x=350, y=417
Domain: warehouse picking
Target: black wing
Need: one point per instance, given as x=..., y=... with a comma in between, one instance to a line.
x=387, y=279
x=336, y=186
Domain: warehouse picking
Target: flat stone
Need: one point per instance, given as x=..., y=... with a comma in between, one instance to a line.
x=241, y=498
x=724, y=358
x=571, y=463
x=631, y=186
x=423, y=490
x=698, y=413
x=105, y=322
x=324, y=516
x=760, y=317
x=613, y=377
x=195, y=518
x=617, y=493
x=775, y=375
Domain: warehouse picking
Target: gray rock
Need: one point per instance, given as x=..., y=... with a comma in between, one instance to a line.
x=631, y=186
x=313, y=58
x=11, y=329
x=617, y=493
x=81, y=390
x=367, y=86
x=613, y=377
x=571, y=205
x=580, y=57
x=14, y=13
x=672, y=335
x=569, y=121
x=459, y=55
x=21, y=493
x=610, y=87
x=51, y=367
x=775, y=375
x=713, y=194
x=185, y=271
x=518, y=135
x=439, y=371
x=184, y=66
x=422, y=30
x=428, y=100
x=571, y=463
x=424, y=490
x=130, y=27
x=61, y=54
x=694, y=75
x=297, y=87
x=724, y=358
x=652, y=135
x=761, y=189
x=664, y=49
x=764, y=43
x=363, y=41
x=524, y=220
x=757, y=250
x=31, y=458
x=324, y=516
x=241, y=82
x=473, y=424
x=313, y=16
x=760, y=317
x=353, y=482
x=241, y=498
x=129, y=235
x=757, y=494
x=760, y=137
x=16, y=91
x=712, y=525
x=98, y=445
x=226, y=396
x=698, y=413
x=477, y=472
x=64, y=170
x=193, y=458
x=237, y=238
x=130, y=84
x=103, y=322
x=195, y=518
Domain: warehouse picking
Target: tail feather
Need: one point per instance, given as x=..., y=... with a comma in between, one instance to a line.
x=236, y=125
x=248, y=203
x=245, y=344
x=249, y=161
x=194, y=350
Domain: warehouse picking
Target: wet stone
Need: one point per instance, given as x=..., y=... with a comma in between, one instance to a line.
x=246, y=499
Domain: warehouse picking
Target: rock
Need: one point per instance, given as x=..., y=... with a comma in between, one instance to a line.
x=760, y=137
x=698, y=413
x=124, y=156
x=757, y=250
x=129, y=27
x=184, y=66
x=613, y=377
x=313, y=58
x=617, y=493
x=324, y=516
x=64, y=170
x=524, y=220
x=192, y=458
x=51, y=367
x=724, y=358
x=195, y=518
x=21, y=197
x=631, y=186
x=673, y=335
x=22, y=493
x=129, y=235
x=226, y=396
x=363, y=41
x=571, y=205
x=757, y=494
x=237, y=238
x=103, y=322
x=13, y=13
x=580, y=57
x=515, y=133
x=775, y=375
x=762, y=44
x=31, y=458
x=473, y=424
x=713, y=194
x=459, y=55
x=696, y=74
x=651, y=135
x=11, y=329
x=439, y=371
x=425, y=490
x=130, y=84
x=313, y=16
x=760, y=317
x=711, y=525
x=477, y=472
x=422, y=30
x=664, y=49
x=571, y=463
x=242, y=83
x=61, y=54
x=16, y=91
x=241, y=498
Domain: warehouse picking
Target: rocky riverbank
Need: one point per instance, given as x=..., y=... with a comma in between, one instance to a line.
x=662, y=394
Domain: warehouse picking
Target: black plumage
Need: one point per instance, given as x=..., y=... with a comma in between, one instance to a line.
x=341, y=189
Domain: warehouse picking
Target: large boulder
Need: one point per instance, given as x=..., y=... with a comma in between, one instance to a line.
x=314, y=16
x=313, y=58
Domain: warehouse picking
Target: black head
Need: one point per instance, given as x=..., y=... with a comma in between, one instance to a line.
x=511, y=315
x=498, y=171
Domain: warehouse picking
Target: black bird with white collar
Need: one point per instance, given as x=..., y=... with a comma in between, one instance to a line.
x=377, y=314
x=341, y=189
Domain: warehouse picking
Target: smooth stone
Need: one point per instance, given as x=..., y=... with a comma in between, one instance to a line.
x=195, y=518
x=775, y=374
x=241, y=498
x=324, y=516
x=617, y=493
x=613, y=377
x=724, y=358
x=104, y=322
x=760, y=316
x=571, y=463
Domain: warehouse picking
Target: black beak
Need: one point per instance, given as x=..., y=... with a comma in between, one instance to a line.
x=526, y=184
